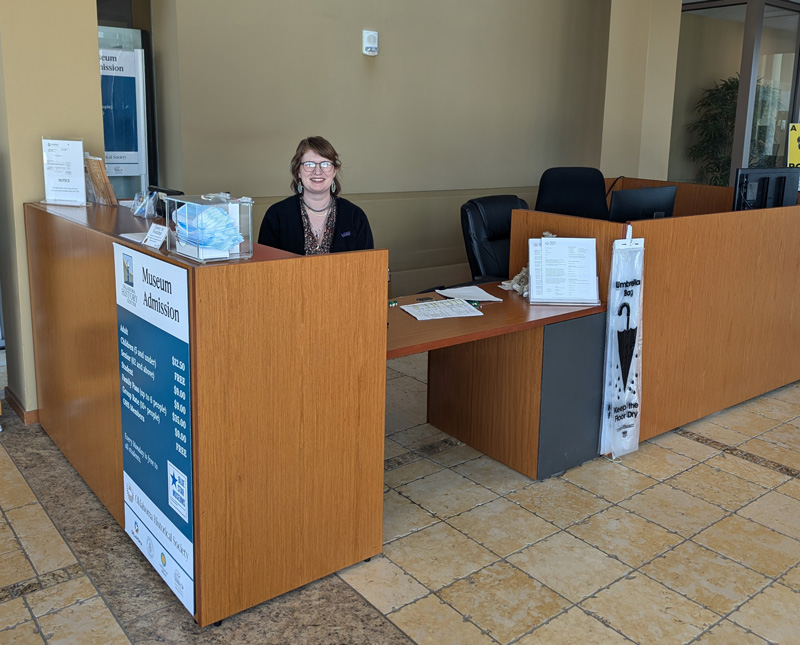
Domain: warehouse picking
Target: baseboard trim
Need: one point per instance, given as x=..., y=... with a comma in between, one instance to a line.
x=26, y=416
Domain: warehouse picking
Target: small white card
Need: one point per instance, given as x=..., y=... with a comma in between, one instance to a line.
x=155, y=236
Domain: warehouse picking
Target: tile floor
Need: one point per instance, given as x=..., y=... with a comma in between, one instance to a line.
x=694, y=538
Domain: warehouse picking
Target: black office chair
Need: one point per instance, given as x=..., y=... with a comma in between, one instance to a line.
x=486, y=224
x=573, y=191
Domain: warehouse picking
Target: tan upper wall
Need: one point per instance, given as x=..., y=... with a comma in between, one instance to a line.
x=463, y=94
x=50, y=88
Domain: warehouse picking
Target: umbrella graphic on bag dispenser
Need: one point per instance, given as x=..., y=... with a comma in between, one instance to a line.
x=626, y=343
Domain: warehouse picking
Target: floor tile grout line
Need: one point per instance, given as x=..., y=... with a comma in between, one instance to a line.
x=68, y=543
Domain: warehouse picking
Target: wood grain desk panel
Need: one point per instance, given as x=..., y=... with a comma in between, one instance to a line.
x=721, y=317
x=690, y=199
x=75, y=348
x=485, y=372
x=288, y=397
x=289, y=436
x=406, y=335
x=528, y=224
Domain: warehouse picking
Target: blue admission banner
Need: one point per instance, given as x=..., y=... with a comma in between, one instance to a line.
x=155, y=393
x=119, y=113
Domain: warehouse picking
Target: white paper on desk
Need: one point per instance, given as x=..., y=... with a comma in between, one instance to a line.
x=435, y=309
x=468, y=293
x=563, y=270
x=134, y=237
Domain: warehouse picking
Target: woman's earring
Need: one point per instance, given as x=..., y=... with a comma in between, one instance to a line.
x=333, y=186
x=299, y=187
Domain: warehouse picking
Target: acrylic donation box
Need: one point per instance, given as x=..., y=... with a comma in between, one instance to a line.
x=211, y=227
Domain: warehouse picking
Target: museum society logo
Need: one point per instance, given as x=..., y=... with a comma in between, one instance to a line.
x=128, y=289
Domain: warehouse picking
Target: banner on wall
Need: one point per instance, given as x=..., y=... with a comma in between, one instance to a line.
x=155, y=391
x=622, y=374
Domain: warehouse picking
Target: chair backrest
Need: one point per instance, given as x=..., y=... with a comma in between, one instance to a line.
x=573, y=191
x=486, y=224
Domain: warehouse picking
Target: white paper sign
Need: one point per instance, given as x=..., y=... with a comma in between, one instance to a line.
x=64, y=180
x=563, y=270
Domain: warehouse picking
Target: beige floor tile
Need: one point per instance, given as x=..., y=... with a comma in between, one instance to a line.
x=14, y=567
x=61, y=595
x=503, y=601
x=743, y=419
x=794, y=422
x=409, y=472
x=419, y=436
x=415, y=366
x=790, y=488
x=626, y=536
x=717, y=487
x=40, y=539
x=751, y=544
x=438, y=555
x=456, y=455
x=726, y=633
x=788, y=393
x=391, y=374
x=392, y=449
x=569, y=566
x=383, y=584
x=571, y=627
x=558, y=501
x=792, y=579
x=674, y=510
x=656, y=461
x=401, y=516
x=611, y=480
x=493, y=475
x=24, y=634
x=706, y=577
x=13, y=612
x=772, y=408
x=684, y=446
x=8, y=541
x=88, y=623
x=777, y=511
x=14, y=490
x=431, y=622
x=647, y=612
x=446, y=493
x=773, y=452
x=785, y=435
x=718, y=433
x=747, y=470
x=502, y=526
x=773, y=614
x=406, y=404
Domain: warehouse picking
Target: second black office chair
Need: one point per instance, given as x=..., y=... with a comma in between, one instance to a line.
x=486, y=225
x=573, y=191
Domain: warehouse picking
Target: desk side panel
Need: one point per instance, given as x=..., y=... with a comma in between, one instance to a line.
x=721, y=317
x=289, y=364
x=73, y=306
x=484, y=394
x=528, y=224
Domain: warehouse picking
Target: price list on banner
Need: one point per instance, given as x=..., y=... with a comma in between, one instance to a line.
x=155, y=393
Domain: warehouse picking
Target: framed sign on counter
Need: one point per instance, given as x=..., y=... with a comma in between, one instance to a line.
x=155, y=392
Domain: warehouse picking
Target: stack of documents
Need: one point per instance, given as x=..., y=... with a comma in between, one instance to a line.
x=454, y=308
x=563, y=271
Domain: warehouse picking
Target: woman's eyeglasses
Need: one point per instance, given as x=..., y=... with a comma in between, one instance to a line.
x=324, y=166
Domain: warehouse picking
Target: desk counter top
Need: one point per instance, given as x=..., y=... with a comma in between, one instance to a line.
x=407, y=335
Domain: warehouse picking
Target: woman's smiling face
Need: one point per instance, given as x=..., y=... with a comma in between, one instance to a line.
x=316, y=181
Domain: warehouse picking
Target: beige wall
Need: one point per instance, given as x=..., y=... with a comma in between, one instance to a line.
x=642, y=52
x=50, y=86
x=466, y=97
x=710, y=50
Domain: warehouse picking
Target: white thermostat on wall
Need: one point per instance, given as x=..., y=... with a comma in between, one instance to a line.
x=369, y=43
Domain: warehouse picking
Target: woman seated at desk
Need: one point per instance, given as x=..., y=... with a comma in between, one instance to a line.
x=315, y=219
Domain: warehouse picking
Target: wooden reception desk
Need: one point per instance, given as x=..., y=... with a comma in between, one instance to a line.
x=721, y=313
x=288, y=358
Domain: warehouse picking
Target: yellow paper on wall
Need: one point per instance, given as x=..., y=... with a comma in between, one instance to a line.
x=794, y=145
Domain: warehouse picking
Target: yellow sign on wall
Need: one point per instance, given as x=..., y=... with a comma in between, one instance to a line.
x=794, y=145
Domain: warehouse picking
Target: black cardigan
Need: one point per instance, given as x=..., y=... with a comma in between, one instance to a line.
x=282, y=227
